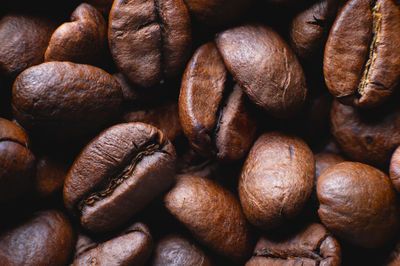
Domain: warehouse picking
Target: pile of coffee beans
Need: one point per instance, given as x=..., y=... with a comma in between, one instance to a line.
x=200, y=132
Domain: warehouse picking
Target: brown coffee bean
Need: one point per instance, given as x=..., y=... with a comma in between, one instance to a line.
x=82, y=40
x=23, y=41
x=358, y=204
x=212, y=214
x=45, y=239
x=324, y=160
x=117, y=174
x=149, y=40
x=312, y=245
x=17, y=163
x=176, y=250
x=62, y=100
x=265, y=67
x=214, y=116
x=368, y=137
x=277, y=179
x=362, y=55
x=132, y=247
x=165, y=117
x=395, y=169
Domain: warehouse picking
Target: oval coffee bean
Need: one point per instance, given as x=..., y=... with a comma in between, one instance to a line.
x=117, y=174
x=366, y=136
x=212, y=214
x=64, y=100
x=362, y=55
x=276, y=180
x=213, y=115
x=358, y=203
x=82, y=40
x=132, y=247
x=313, y=245
x=149, y=40
x=45, y=239
x=265, y=67
x=395, y=169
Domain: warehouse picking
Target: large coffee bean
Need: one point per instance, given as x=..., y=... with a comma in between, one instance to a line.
x=362, y=55
x=62, y=100
x=277, y=179
x=117, y=174
x=212, y=214
x=358, y=203
x=149, y=40
x=265, y=67
x=213, y=111
x=45, y=239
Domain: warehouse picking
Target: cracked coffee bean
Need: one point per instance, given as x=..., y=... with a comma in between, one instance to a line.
x=150, y=40
x=117, y=174
x=313, y=245
x=276, y=180
x=212, y=110
x=362, y=55
x=265, y=67
x=358, y=204
x=63, y=100
x=132, y=247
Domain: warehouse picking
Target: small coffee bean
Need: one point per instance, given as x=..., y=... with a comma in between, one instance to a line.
x=358, y=203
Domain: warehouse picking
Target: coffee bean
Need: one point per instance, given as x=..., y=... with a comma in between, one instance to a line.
x=149, y=40
x=212, y=214
x=265, y=67
x=312, y=245
x=47, y=238
x=214, y=116
x=62, y=100
x=358, y=203
x=82, y=40
x=276, y=180
x=117, y=174
x=362, y=55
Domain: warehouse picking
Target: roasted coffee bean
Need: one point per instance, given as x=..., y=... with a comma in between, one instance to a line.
x=312, y=245
x=214, y=117
x=150, y=40
x=358, y=203
x=47, y=238
x=132, y=247
x=265, y=67
x=175, y=250
x=212, y=214
x=276, y=180
x=362, y=55
x=324, y=160
x=62, y=100
x=117, y=174
x=165, y=117
x=23, y=41
x=17, y=162
x=82, y=40
x=366, y=136
x=395, y=169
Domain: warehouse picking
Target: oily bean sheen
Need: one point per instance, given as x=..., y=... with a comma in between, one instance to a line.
x=82, y=40
x=17, y=162
x=276, y=180
x=212, y=214
x=149, y=40
x=45, y=239
x=174, y=250
x=213, y=115
x=362, y=55
x=63, y=100
x=131, y=247
x=265, y=67
x=366, y=136
x=395, y=169
x=313, y=245
x=117, y=174
x=358, y=204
